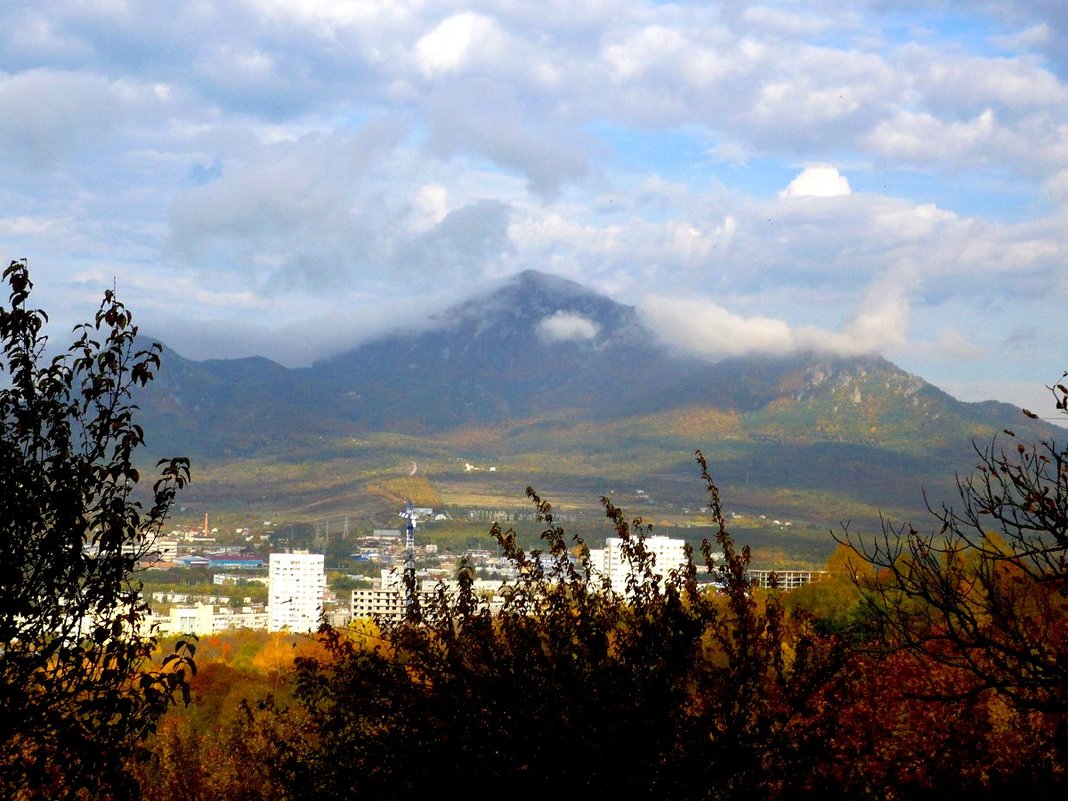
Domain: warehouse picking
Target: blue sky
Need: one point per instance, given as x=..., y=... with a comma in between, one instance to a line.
x=281, y=177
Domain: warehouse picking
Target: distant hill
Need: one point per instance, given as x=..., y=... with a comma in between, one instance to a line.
x=564, y=387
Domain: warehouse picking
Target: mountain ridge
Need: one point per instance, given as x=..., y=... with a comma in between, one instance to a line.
x=565, y=383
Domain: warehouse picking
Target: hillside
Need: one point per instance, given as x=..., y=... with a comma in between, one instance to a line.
x=557, y=386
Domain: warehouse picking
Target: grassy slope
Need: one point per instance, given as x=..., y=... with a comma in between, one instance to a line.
x=817, y=478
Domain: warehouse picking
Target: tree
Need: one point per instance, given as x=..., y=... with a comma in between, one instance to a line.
x=77, y=689
x=669, y=690
x=986, y=595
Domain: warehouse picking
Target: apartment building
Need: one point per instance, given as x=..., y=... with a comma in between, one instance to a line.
x=296, y=584
x=669, y=553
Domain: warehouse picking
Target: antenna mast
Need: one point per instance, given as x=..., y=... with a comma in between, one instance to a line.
x=411, y=600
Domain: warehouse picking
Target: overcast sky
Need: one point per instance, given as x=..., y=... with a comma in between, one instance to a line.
x=286, y=177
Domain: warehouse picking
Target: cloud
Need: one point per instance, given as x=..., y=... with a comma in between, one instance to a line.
x=456, y=41
x=1034, y=36
x=1014, y=85
x=787, y=22
x=429, y=206
x=475, y=117
x=818, y=181
x=566, y=327
x=879, y=325
x=955, y=344
x=922, y=137
x=29, y=227
x=288, y=205
x=50, y=116
x=461, y=244
x=705, y=328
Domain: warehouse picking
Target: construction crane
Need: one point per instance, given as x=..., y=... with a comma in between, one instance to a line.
x=411, y=597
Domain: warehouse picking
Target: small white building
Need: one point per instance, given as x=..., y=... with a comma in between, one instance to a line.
x=199, y=619
x=296, y=584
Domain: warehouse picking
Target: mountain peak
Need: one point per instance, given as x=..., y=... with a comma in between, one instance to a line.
x=525, y=302
x=542, y=292
x=538, y=281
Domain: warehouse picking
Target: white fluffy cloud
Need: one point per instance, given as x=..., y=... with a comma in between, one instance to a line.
x=456, y=41
x=818, y=181
x=566, y=327
x=705, y=328
x=879, y=325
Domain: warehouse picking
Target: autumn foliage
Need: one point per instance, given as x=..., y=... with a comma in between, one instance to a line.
x=672, y=689
x=929, y=665
x=79, y=690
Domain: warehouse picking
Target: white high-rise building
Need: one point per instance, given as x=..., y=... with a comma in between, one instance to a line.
x=296, y=585
x=670, y=555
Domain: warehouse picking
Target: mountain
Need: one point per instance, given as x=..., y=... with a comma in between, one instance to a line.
x=564, y=387
x=539, y=345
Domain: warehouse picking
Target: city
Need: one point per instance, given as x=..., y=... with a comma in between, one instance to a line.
x=298, y=599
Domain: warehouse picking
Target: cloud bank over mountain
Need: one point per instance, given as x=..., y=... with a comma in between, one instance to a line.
x=703, y=327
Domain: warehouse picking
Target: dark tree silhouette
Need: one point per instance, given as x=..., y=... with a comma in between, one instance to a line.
x=77, y=691
x=985, y=595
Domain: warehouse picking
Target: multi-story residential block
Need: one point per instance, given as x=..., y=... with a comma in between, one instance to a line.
x=207, y=618
x=669, y=554
x=296, y=583
x=385, y=599
x=789, y=579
